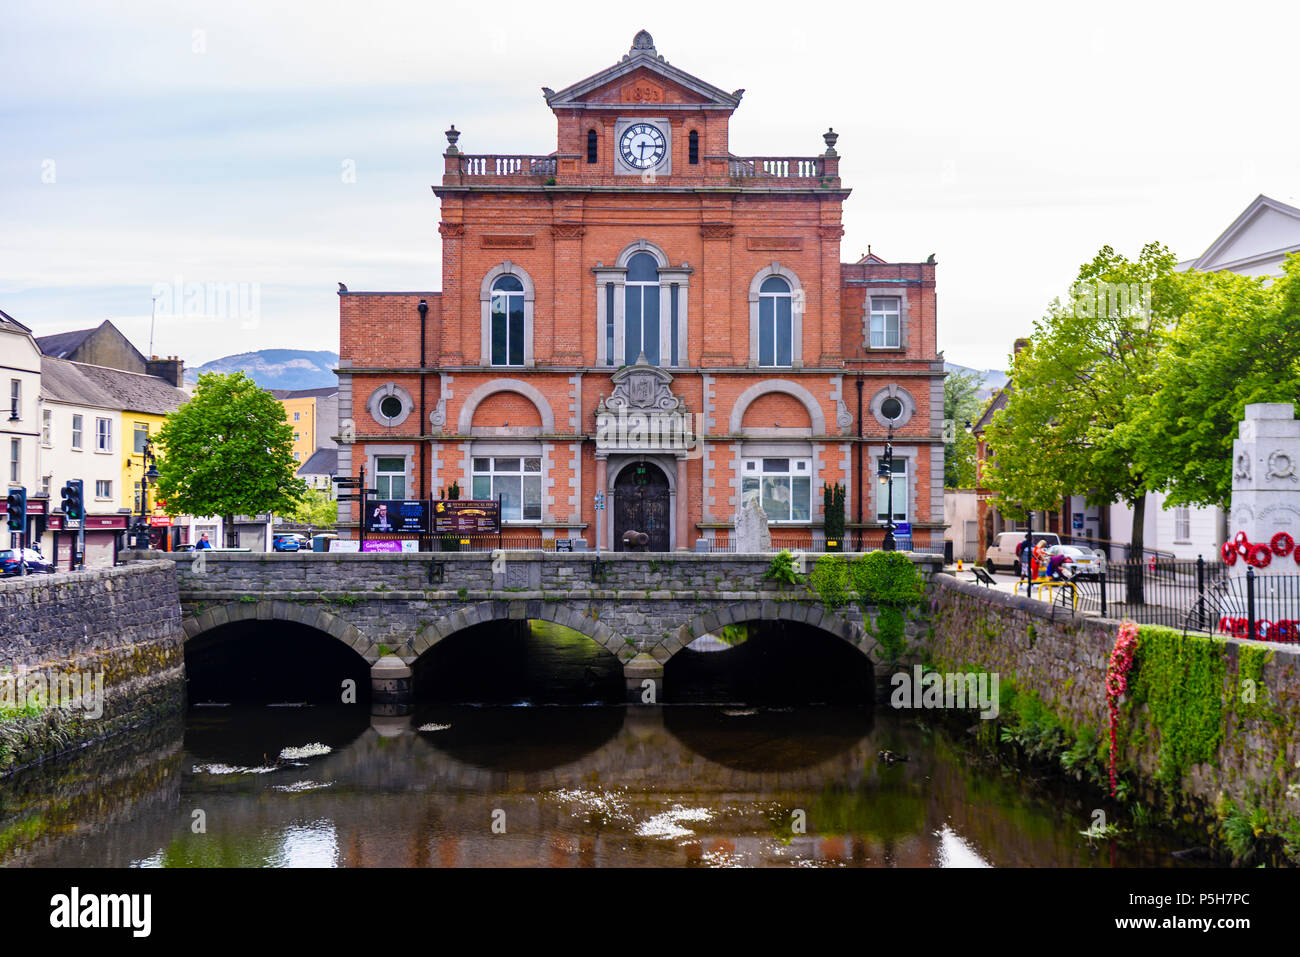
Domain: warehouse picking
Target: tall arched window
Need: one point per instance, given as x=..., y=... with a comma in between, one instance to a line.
x=775, y=324
x=641, y=312
x=694, y=148
x=591, y=146
x=507, y=321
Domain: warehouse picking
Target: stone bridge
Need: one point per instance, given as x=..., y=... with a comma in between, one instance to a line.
x=392, y=608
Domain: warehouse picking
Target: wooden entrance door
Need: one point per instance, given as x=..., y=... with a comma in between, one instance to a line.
x=641, y=504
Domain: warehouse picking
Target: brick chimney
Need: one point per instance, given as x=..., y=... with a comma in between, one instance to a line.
x=171, y=369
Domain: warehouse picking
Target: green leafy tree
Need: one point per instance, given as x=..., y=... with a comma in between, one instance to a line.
x=1236, y=341
x=961, y=405
x=228, y=451
x=1086, y=371
x=316, y=509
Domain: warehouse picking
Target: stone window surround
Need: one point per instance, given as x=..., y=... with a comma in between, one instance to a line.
x=464, y=422
x=374, y=452
x=786, y=386
x=797, y=309
x=802, y=449
x=903, y=396
x=913, y=456
x=376, y=398
x=495, y=448
x=506, y=268
x=669, y=276
x=904, y=317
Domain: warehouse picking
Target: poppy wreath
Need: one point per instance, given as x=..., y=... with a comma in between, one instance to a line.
x=1229, y=552
x=1260, y=556
x=1282, y=544
x=1240, y=538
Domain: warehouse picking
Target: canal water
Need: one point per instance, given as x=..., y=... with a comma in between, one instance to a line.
x=521, y=783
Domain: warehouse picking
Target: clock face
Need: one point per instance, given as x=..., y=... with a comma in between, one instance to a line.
x=642, y=146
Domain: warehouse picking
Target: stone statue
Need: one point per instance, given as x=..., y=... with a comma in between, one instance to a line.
x=752, y=534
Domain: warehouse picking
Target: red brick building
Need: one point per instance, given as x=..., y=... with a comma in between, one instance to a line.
x=643, y=312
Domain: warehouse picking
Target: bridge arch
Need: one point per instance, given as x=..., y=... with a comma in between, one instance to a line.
x=484, y=612
x=218, y=616
x=805, y=613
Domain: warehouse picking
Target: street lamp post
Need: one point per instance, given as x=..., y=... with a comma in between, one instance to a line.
x=891, y=409
x=148, y=463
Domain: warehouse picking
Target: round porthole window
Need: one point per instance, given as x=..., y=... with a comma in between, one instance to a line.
x=389, y=405
x=892, y=407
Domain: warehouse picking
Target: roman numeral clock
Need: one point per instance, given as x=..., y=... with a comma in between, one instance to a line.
x=642, y=146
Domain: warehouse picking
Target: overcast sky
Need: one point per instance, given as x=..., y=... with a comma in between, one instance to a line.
x=210, y=140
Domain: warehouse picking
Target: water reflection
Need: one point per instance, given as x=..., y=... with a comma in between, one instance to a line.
x=563, y=787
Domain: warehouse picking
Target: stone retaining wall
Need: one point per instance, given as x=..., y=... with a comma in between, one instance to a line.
x=119, y=626
x=1063, y=660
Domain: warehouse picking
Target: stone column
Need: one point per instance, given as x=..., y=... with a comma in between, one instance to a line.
x=683, y=508
x=645, y=680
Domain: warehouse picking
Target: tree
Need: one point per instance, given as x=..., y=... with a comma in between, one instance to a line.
x=228, y=451
x=1237, y=341
x=1085, y=372
x=317, y=509
x=961, y=405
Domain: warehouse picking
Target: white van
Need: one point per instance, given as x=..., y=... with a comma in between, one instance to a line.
x=1002, y=553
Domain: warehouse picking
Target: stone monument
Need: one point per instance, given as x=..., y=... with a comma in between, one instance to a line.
x=1264, y=523
x=752, y=534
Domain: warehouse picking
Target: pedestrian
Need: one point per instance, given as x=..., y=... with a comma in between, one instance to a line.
x=1039, y=560
x=203, y=541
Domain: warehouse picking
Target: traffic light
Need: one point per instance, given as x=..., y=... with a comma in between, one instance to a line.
x=17, y=502
x=72, y=501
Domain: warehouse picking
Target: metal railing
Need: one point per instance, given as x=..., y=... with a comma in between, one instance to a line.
x=1149, y=591
x=1251, y=606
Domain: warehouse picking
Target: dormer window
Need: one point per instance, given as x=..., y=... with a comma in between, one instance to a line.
x=592, y=151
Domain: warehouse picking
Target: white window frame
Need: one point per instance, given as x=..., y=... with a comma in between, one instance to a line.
x=135, y=437
x=384, y=478
x=1182, y=525
x=103, y=435
x=754, y=469
x=103, y=490
x=78, y=432
x=775, y=298
x=798, y=304
x=508, y=294
x=15, y=460
x=880, y=322
x=16, y=397
x=882, y=492
x=522, y=472
x=47, y=428
x=506, y=268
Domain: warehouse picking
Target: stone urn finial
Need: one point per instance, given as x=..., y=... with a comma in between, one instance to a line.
x=452, y=135
x=831, y=137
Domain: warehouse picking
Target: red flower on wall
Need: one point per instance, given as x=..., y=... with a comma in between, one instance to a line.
x=1121, y=661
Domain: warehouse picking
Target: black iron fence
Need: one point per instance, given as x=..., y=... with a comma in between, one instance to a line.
x=1150, y=590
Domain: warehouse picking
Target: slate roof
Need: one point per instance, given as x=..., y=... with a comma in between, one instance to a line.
x=63, y=344
x=322, y=462
x=5, y=317
x=105, y=388
x=305, y=393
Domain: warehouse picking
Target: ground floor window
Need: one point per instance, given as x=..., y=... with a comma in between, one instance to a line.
x=899, y=482
x=516, y=480
x=390, y=476
x=783, y=487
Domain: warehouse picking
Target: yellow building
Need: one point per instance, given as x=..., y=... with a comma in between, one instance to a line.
x=314, y=415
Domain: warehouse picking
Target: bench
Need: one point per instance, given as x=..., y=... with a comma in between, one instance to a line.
x=982, y=577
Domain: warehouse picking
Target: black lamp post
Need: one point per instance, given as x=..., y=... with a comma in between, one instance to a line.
x=891, y=409
x=148, y=464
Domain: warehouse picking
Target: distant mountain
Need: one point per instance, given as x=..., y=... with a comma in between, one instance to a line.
x=277, y=368
x=990, y=379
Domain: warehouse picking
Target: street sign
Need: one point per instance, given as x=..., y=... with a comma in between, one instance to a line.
x=348, y=498
x=346, y=481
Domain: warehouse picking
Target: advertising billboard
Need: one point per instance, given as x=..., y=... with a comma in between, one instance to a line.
x=396, y=515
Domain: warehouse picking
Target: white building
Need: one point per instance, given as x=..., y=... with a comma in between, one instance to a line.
x=20, y=359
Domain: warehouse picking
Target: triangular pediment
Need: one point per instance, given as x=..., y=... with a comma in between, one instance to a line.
x=1266, y=227
x=642, y=78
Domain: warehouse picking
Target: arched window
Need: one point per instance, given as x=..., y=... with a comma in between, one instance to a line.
x=591, y=146
x=641, y=312
x=507, y=321
x=775, y=323
x=694, y=148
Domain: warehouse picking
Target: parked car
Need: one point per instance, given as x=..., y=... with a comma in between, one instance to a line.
x=290, y=542
x=1079, y=562
x=36, y=562
x=1002, y=553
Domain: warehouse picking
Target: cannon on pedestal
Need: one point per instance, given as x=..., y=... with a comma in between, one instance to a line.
x=634, y=541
